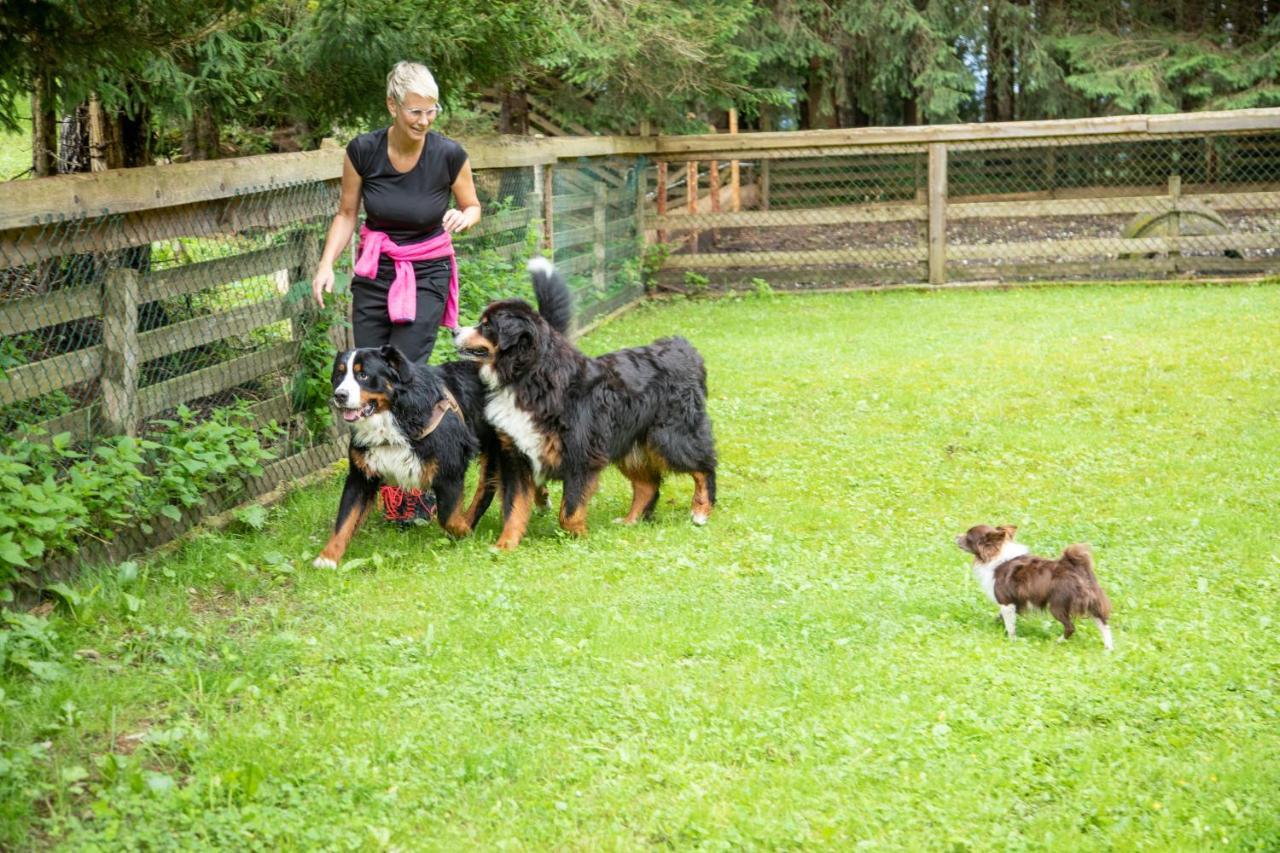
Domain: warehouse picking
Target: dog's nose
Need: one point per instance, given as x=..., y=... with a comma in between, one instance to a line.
x=340, y=395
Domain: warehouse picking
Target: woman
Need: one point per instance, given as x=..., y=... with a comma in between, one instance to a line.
x=406, y=281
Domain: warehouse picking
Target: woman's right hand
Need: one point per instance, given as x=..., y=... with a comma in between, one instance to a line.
x=322, y=283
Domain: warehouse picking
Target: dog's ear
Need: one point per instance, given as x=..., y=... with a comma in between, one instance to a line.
x=516, y=336
x=1008, y=530
x=401, y=367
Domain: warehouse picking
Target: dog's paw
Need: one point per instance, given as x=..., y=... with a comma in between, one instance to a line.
x=699, y=518
x=323, y=562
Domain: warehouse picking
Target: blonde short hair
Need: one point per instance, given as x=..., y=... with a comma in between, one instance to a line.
x=408, y=78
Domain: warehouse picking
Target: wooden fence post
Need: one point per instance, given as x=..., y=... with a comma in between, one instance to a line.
x=121, y=354
x=533, y=203
x=599, y=233
x=735, y=175
x=713, y=188
x=691, y=201
x=548, y=205
x=937, y=213
x=660, y=201
x=642, y=190
x=764, y=183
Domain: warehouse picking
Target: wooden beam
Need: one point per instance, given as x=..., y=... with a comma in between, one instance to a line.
x=691, y=198
x=1112, y=246
x=190, y=278
x=660, y=199
x=548, y=209
x=937, y=213
x=121, y=352
x=60, y=306
x=42, y=200
x=599, y=220
x=219, y=377
x=50, y=374
x=885, y=212
x=213, y=327
x=219, y=217
x=795, y=259
x=735, y=172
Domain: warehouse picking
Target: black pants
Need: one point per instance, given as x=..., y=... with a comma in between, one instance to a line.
x=372, y=327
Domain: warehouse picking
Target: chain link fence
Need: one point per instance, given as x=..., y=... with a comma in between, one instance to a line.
x=162, y=359
x=168, y=363
x=1119, y=206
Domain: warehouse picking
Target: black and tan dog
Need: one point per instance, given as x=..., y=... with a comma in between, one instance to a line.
x=570, y=415
x=419, y=426
x=413, y=426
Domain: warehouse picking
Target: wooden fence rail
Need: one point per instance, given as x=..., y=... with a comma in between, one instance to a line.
x=921, y=178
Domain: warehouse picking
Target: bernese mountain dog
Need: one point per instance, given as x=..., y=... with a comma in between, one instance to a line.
x=418, y=426
x=413, y=426
x=570, y=415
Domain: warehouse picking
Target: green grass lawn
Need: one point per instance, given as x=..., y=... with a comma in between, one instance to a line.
x=15, y=146
x=815, y=668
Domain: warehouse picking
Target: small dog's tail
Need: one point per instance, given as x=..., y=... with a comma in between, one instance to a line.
x=1081, y=556
x=555, y=302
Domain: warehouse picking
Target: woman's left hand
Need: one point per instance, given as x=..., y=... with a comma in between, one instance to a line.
x=458, y=220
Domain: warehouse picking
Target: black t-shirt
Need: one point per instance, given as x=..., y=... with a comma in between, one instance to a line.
x=406, y=206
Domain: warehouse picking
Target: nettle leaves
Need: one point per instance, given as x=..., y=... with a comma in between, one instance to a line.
x=53, y=494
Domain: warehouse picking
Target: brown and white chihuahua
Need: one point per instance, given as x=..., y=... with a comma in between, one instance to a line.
x=1016, y=580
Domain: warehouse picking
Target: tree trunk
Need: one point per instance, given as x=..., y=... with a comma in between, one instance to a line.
x=1246, y=18
x=201, y=137
x=816, y=113
x=135, y=138
x=1000, y=64
x=44, y=126
x=73, y=141
x=104, y=138
x=513, y=110
x=911, y=110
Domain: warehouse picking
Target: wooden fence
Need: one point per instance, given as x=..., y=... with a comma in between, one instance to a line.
x=1126, y=197
x=96, y=340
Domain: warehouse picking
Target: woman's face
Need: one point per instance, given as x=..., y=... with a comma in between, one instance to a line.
x=413, y=116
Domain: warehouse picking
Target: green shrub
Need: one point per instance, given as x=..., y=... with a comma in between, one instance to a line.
x=54, y=494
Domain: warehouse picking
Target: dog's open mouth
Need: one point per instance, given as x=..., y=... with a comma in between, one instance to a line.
x=353, y=415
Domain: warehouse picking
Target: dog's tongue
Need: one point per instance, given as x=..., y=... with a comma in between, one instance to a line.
x=351, y=414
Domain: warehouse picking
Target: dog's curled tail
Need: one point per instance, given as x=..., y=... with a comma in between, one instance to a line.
x=555, y=302
x=1080, y=555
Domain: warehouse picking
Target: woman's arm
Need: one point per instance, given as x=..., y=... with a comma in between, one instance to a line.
x=467, y=213
x=344, y=223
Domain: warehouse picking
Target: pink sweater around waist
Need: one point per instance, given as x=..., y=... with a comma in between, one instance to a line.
x=402, y=298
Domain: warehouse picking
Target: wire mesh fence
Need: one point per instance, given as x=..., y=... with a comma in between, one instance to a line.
x=1116, y=206
x=162, y=359
x=163, y=364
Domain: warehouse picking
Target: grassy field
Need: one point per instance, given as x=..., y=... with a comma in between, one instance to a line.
x=814, y=669
x=15, y=146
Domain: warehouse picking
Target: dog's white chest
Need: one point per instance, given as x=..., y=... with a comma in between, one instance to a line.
x=387, y=451
x=507, y=417
x=985, y=573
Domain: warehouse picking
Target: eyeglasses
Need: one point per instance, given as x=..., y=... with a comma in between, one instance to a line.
x=417, y=115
